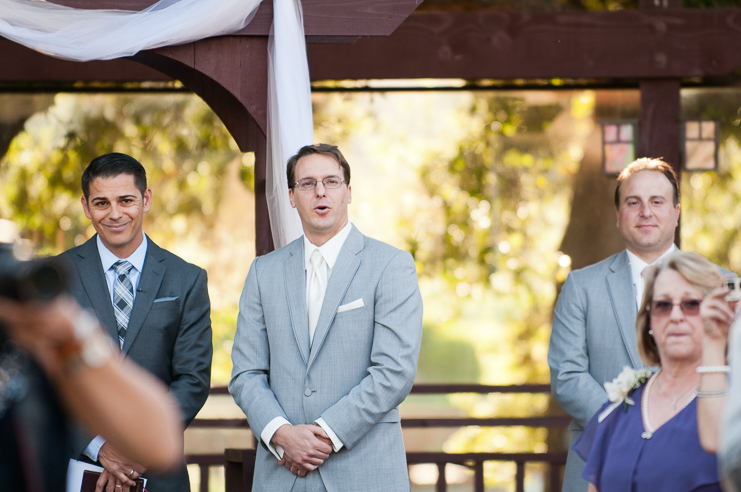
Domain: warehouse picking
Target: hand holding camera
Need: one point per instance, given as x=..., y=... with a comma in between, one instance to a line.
x=718, y=310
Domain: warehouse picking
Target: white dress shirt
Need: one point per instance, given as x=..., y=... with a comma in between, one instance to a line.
x=330, y=251
x=108, y=259
x=637, y=266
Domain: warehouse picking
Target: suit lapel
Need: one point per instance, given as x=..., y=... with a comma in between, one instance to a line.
x=93, y=281
x=342, y=274
x=622, y=297
x=149, y=284
x=295, y=281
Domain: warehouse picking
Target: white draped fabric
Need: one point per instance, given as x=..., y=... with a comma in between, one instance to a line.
x=290, y=120
x=84, y=35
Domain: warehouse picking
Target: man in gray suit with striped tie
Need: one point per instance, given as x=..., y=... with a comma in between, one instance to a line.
x=154, y=305
x=593, y=334
x=327, y=342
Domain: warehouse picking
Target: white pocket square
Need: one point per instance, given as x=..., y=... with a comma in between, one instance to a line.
x=165, y=299
x=351, y=305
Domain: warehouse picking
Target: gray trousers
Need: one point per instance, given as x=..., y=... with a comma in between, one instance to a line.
x=312, y=482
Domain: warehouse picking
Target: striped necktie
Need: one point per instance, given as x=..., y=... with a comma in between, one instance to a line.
x=123, y=297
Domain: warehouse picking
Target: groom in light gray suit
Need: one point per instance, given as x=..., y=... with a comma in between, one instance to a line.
x=327, y=342
x=593, y=335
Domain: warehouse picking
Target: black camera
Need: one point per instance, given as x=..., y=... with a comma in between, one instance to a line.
x=32, y=280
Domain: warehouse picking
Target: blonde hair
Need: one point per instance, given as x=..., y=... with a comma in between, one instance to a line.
x=695, y=269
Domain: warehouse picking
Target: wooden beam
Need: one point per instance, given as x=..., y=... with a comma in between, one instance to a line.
x=21, y=64
x=321, y=17
x=608, y=45
x=633, y=44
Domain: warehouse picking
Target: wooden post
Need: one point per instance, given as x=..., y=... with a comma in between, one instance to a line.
x=659, y=128
x=263, y=233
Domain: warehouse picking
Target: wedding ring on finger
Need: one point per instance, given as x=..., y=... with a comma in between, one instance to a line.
x=131, y=473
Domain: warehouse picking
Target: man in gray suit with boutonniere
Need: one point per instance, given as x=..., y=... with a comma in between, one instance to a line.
x=593, y=334
x=154, y=305
x=327, y=342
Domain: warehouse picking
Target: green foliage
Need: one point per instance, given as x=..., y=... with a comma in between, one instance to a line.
x=601, y=4
x=223, y=324
x=191, y=161
x=711, y=218
x=177, y=138
x=444, y=359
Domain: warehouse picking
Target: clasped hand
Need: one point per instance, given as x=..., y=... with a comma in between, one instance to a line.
x=117, y=474
x=305, y=447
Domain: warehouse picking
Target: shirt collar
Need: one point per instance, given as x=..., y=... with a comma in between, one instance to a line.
x=637, y=265
x=136, y=258
x=329, y=250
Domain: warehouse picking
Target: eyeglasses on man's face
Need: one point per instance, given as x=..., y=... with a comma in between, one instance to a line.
x=690, y=307
x=308, y=184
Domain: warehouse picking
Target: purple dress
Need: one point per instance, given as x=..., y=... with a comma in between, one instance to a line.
x=672, y=460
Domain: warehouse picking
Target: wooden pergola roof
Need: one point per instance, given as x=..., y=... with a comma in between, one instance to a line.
x=656, y=46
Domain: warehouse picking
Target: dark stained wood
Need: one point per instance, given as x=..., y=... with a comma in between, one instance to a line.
x=607, y=45
x=660, y=130
x=229, y=73
x=321, y=17
x=610, y=45
x=659, y=4
x=438, y=389
x=21, y=64
x=239, y=469
x=660, y=120
x=263, y=232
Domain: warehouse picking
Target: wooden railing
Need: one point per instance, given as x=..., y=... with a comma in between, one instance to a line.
x=240, y=465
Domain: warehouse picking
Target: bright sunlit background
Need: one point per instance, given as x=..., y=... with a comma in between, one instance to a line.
x=495, y=193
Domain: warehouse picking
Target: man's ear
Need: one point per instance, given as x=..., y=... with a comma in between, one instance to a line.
x=349, y=194
x=617, y=216
x=147, y=200
x=290, y=197
x=83, y=200
x=677, y=214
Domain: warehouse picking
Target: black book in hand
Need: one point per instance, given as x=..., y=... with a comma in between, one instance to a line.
x=90, y=478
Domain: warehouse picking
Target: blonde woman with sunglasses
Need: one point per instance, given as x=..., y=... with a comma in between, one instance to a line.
x=646, y=437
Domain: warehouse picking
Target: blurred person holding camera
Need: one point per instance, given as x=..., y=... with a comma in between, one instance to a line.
x=57, y=364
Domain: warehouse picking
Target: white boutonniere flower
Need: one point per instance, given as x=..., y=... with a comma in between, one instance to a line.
x=620, y=388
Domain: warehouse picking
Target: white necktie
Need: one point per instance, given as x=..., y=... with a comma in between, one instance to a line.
x=317, y=286
x=640, y=287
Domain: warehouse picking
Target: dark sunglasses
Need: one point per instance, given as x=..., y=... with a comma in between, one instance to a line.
x=690, y=307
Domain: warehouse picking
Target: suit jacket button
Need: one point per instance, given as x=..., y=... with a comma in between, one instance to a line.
x=307, y=392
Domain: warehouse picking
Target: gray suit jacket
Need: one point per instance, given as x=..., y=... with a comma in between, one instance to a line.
x=593, y=337
x=359, y=368
x=169, y=332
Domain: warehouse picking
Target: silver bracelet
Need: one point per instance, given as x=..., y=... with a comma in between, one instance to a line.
x=710, y=394
x=713, y=369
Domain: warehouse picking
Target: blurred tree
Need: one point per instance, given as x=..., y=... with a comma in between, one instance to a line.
x=711, y=219
x=203, y=207
x=16, y=110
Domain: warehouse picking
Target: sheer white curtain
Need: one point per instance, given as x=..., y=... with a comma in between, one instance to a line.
x=290, y=120
x=84, y=35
